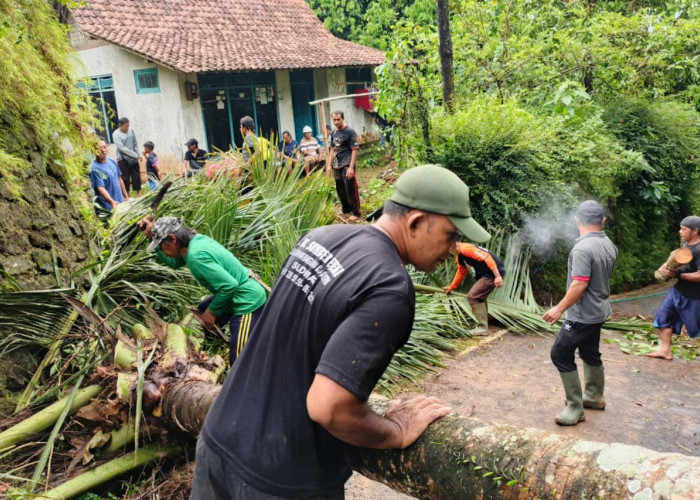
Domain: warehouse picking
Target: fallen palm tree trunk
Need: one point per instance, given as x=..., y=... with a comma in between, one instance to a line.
x=464, y=458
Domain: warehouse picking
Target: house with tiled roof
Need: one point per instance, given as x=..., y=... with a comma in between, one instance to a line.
x=181, y=69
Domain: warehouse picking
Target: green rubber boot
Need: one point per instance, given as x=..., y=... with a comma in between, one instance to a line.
x=482, y=319
x=594, y=377
x=573, y=413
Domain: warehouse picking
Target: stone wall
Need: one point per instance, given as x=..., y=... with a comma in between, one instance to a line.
x=40, y=231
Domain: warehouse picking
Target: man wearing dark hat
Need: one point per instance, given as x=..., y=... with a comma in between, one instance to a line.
x=195, y=158
x=342, y=305
x=236, y=298
x=681, y=306
x=587, y=306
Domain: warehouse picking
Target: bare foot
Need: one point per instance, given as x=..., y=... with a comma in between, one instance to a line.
x=661, y=355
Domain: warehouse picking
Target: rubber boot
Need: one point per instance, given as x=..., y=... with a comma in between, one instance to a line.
x=573, y=413
x=594, y=377
x=482, y=319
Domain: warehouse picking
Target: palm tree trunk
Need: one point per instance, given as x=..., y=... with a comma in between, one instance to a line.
x=464, y=458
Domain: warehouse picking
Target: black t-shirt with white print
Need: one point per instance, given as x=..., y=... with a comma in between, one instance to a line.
x=341, y=306
x=343, y=141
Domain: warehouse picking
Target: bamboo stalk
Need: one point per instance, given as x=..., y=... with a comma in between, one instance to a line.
x=110, y=470
x=46, y=417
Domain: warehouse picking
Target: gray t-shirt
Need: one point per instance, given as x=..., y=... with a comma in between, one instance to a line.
x=127, y=147
x=592, y=259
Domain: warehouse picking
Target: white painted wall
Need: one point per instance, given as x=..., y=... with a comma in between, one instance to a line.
x=358, y=119
x=284, y=103
x=166, y=118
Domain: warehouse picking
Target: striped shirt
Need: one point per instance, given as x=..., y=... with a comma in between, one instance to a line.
x=309, y=147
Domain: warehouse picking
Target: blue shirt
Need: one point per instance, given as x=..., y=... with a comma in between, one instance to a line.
x=106, y=175
x=288, y=148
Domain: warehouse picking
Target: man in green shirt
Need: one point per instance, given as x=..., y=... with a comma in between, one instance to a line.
x=236, y=297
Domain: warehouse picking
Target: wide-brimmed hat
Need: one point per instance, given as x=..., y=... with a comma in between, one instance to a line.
x=437, y=190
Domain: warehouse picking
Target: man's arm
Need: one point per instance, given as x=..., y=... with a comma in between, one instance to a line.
x=351, y=168
x=351, y=420
x=102, y=191
x=573, y=295
x=695, y=276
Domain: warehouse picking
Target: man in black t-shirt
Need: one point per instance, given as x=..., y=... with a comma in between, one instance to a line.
x=342, y=305
x=195, y=158
x=342, y=159
x=681, y=306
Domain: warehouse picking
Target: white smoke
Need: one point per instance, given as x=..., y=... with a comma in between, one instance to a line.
x=552, y=227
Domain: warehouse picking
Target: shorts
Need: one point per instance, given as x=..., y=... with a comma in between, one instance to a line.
x=677, y=310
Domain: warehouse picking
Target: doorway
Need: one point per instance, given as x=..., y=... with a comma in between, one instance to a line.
x=226, y=98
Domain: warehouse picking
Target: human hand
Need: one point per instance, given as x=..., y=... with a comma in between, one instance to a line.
x=553, y=315
x=140, y=159
x=498, y=282
x=208, y=319
x=668, y=272
x=145, y=225
x=414, y=416
x=351, y=173
x=447, y=289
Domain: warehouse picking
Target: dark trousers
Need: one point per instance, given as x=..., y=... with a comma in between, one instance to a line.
x=347, y=191
x=582, y=336
x=216, y=479
x=239, y=327
x=480, y=291
x=131, y=174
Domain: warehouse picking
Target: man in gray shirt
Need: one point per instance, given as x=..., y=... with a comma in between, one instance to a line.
x=128, y=157
x=587, y=306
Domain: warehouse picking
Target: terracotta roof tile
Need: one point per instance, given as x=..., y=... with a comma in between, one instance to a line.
x=222, y=35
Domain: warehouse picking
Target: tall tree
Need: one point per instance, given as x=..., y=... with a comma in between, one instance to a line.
x=442, y=9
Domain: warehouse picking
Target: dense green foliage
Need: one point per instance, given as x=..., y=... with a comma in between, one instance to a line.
x=557, y=102
x=44, y=117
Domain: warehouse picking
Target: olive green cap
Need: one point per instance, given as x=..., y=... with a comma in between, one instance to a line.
x=437, y=190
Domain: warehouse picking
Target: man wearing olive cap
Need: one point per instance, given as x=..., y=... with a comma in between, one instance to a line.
x=681, y=306
x=587, y=306
x=341, y=306
x=236, y=298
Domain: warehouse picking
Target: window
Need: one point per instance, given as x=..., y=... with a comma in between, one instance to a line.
x=147, y=81
x=357, y=78
x=101, y=92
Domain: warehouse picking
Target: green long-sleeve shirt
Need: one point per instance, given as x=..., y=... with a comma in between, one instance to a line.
x=217, y=270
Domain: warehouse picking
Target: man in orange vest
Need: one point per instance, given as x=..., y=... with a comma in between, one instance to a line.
x=488, y=271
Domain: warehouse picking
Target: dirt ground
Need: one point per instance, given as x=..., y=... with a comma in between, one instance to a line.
x=509, y=379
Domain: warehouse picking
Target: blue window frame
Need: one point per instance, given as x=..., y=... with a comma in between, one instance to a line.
x=147, y=81
x=101, y=91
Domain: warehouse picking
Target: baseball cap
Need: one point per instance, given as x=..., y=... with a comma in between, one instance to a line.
x=192, y=142
x=437, y=190
x=590, y=212
x=162, y=228
x=307, y=129
x=691, y=222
